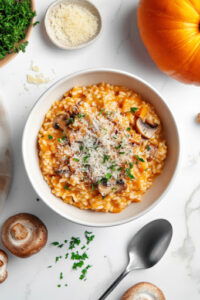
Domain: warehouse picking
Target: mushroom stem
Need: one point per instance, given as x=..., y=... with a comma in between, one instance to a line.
x=19, y=232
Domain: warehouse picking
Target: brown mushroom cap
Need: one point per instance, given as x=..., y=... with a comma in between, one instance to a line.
x=3, y=266
x=143, y=291
x=24, y=234
x=145, y=129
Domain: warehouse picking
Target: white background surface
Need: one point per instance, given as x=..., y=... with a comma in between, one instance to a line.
x=178, y=273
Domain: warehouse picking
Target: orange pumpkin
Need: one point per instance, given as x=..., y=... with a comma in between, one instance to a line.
x=170, y=30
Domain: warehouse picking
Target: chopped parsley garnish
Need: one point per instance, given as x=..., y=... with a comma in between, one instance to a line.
x=62, y=139
x=78, y=265
x=49, y=267
x=94, y=186
x=134, y=109
x=59, y=285
x=108, y=176
x=128, y=128
x=58, y=258
x=15, y=18
x=61, y=275
x=121, y=153
x=36, y=23
x=83, y=247
x=118, y=147
x=81, y=116
x=55, y=243
x=89, y=237
x=66, y=187
x=148, y=148
x=66, y=255
x=106, y=158
x=70, y=121
x=50, y=137
x=77, y=256
x=76, y=159
x=74, y=242
x=81, y=147
x=129, y=174
x=61, y=245
x=139, y=158
x=84, y=272
x=65, y=241
x=85, y=158
x=112, y=167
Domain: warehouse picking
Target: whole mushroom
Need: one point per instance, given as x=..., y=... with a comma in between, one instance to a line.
x=3, y=266
x=24, y=234
x=143, y=291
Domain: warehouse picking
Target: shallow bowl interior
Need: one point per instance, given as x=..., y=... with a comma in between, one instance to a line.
x=34, y=122
x=83, y=3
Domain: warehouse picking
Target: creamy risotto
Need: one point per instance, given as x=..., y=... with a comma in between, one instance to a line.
x=100, y=147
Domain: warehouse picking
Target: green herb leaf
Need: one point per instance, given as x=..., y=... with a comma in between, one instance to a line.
x=84, y=272
x=61, y=275
x=129, y=174
x=89, y=236
x=76, y=159
x=55, y=243
x=75, y=241
x=121, y=153
x=36, y=23
x=59, y=285
x=128, y=128
x=66, y=187
x=108, y=176
x=81, y=116
x=58, y=258
x=77, y=256
x=139, y=158
x=85, y=158
x=78, y=265
x=148, y=148
x=15, y=18
x=134, y=109
x=50, y=137
x=106, y=158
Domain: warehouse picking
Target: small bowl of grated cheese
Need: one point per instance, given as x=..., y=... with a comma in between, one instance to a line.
x=72, y=24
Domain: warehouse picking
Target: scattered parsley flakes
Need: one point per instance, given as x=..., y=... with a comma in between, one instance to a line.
x=121, y=153
x=139, y=158
x=36, y=23
x=84, y=272
x=108, y=176
x=128, y=128
x=58, y=285
x=78, y=265
x=134, y=109
x=129, y=174
x=61, y=245
x=89, y=236
x=81, y=116
x=85, y=158
x=106, y=158
x=77, y=256
x=74, y=242
x=49, y=267
x=148, y=148
x=57, y=258
x=65, y=241
x=50, y=137
x=55, y=243
x=76, y=159
x=66, y=255
x=61, y=275
x=66, y=187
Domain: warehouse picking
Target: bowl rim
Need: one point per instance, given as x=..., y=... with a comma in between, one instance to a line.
x=83, y=45
x=28, y=172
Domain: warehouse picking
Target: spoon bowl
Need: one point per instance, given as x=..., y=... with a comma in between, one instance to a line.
x=145, y=249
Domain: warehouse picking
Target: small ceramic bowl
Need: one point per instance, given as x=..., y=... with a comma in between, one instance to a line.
x=83, y=3
x=9, y=57
x=30, y=152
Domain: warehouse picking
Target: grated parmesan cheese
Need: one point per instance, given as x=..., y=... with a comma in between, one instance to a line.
x=72, y=24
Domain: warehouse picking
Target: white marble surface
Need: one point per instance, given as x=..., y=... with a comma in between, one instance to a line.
x=178, y=273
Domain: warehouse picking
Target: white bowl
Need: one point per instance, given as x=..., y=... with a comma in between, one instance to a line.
x=30, y=155
x=84, y=3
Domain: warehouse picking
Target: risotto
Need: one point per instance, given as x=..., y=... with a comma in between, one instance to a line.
x=100, y=147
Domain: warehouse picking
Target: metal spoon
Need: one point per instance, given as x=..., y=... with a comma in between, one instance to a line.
x=145, y=249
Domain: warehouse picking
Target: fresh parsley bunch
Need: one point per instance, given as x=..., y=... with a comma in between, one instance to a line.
x=15, y=17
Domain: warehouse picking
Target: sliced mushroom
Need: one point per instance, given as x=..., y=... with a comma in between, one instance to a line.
x=143, y=290
x=3, y=266
x=24, y=234
x=145, y=129
x=107, y=187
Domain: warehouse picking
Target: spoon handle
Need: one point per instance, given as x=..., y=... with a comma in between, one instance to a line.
x=113, y=285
